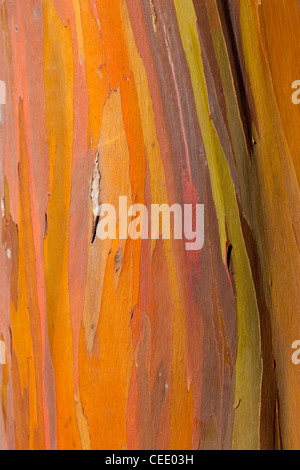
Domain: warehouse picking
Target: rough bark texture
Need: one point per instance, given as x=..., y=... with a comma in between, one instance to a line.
x=123, y=344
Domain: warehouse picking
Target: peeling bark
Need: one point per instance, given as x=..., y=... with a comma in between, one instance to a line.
x=141, y=344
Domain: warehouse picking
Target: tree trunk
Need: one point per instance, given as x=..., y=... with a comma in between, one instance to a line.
x=145, y=344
